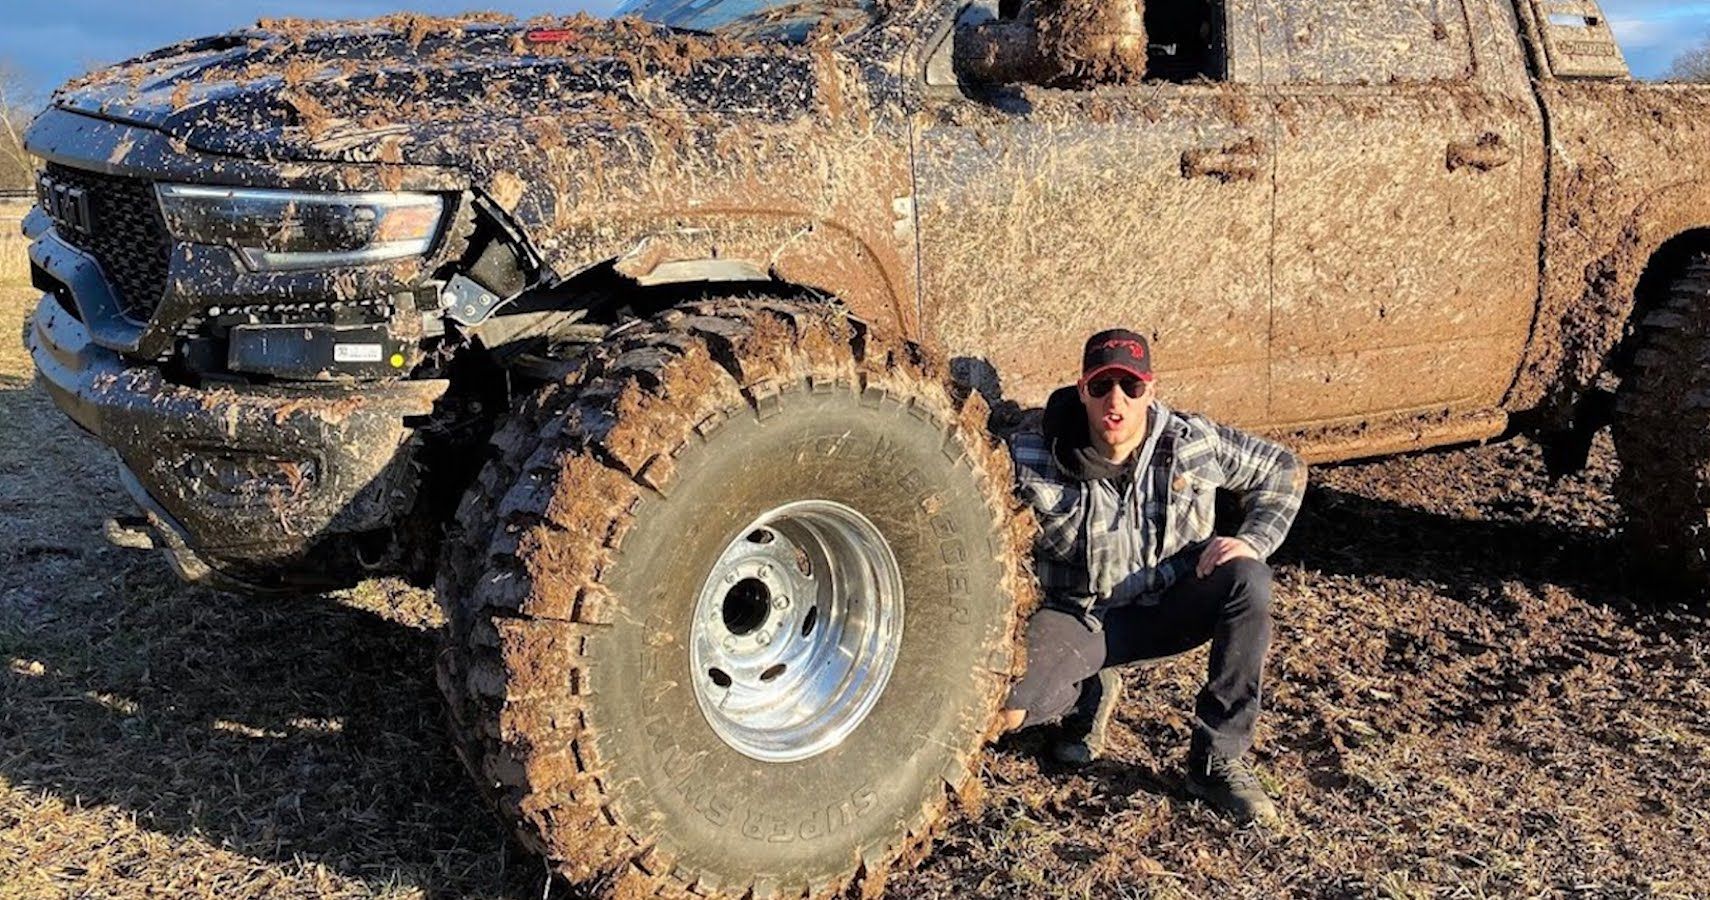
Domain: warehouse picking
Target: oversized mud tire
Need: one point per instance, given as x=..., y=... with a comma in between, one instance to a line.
x=600, y=562
x=1662, y=431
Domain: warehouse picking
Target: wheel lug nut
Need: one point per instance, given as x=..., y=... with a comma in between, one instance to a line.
x=730, y=644
x=780, y=602
x=730, y=579
x=764, y=571
x=764, y=638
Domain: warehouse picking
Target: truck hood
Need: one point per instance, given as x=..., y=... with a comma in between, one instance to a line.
x=420, y=90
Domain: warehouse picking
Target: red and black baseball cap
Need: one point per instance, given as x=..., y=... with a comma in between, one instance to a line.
x=1116, y=350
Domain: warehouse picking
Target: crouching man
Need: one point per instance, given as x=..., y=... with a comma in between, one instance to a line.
x=1125, y=490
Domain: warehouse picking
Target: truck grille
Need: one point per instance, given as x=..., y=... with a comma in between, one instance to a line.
x=116, y=220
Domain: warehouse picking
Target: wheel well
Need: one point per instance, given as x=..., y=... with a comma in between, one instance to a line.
x=539, y=337
x=611, y=297
x=540, y=308
x=547, y=328
x=1566, y=434
x=1664, y=266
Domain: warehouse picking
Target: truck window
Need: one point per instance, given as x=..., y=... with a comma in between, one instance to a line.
x=1370, y=42
x=1186, y=41
x=784, y=20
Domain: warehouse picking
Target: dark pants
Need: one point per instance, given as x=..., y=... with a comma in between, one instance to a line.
x=1231, y=608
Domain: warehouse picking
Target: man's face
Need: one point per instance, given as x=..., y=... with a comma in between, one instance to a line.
x=1117, y=418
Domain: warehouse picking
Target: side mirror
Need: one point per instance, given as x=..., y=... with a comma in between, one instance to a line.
x=1057, y=42
x=1000, y=53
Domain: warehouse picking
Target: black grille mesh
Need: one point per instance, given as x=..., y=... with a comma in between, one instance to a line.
x=128, y=237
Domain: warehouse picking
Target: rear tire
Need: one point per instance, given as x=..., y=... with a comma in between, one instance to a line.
x=594, y=644
x=1662, y=431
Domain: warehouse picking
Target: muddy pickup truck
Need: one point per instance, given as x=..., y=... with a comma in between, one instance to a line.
x=670, y=345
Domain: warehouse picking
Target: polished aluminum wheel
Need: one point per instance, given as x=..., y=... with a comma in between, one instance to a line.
x=796, y=631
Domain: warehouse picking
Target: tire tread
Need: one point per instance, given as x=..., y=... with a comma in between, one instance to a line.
x=1662, y=427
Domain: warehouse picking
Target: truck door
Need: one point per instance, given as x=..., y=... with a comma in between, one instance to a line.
x=1409, y=177
x=1046, y=214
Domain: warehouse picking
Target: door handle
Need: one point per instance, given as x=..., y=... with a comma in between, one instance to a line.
x=1488, y=152
x=1237, y=162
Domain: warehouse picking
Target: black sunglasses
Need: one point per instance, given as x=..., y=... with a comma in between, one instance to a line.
x=1132, y=386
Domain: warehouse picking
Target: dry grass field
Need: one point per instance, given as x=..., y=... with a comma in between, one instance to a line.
x=1469, y=699
x=158, y=740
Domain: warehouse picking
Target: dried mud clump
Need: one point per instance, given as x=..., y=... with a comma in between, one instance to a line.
x=1087, y=41
x=1488, y=152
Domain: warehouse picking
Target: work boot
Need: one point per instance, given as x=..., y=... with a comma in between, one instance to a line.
x=1087, y=728
x=1228, y=783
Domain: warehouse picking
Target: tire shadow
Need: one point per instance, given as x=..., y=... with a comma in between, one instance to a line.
x=1344, y=533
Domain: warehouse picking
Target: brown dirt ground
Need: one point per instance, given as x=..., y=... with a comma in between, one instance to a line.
x=1468, y=698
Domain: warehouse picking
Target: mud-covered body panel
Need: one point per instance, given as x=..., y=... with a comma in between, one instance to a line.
x=804, y=175
x=1408, y=265
x=1407, y=210
x=1050, y=214
x=1630, y=171
x=613, y=140
x=818, y=202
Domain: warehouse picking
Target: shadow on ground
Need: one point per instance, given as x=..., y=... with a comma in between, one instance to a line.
x=287, y=730
x=1472, y=690
x=1344, y=533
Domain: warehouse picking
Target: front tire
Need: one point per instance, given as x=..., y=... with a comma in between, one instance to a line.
x=733, y=472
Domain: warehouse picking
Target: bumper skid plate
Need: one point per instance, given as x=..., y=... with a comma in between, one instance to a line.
x=238, y=479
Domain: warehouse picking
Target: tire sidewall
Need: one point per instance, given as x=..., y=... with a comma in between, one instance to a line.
x=671, y=775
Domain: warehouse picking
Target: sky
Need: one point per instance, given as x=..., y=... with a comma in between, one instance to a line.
x=49, y=41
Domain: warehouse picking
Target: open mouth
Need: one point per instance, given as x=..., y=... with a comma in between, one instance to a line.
x=1112, y=420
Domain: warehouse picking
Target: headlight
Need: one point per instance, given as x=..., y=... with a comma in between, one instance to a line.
x=276, y=230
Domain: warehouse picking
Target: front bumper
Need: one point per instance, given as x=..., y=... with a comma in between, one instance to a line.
x=255, y=483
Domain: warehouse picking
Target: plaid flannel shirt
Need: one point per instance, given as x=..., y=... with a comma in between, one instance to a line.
x=1108, y=544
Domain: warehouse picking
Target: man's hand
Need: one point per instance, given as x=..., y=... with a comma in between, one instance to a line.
x=1222, y=550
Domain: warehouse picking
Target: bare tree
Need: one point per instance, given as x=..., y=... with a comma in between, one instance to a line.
x=16, y=106
x=1692, y=64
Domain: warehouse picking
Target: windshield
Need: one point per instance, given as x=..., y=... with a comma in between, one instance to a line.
x=789, y=20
